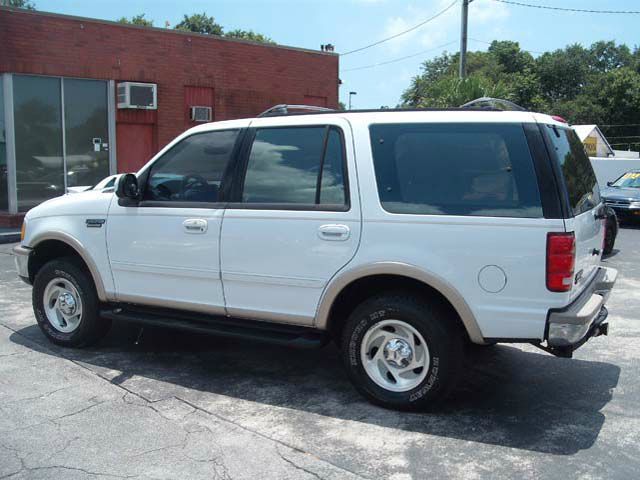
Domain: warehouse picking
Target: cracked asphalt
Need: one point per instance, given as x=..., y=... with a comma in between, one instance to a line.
x=175, y=406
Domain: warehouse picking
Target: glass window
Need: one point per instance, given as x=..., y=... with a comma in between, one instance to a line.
x=628, y=180
x=579, y=178
x=38, y=135
x=455, y=169
x=4, y=198
x=332, y=185
x=192, y=170
x=286, y=166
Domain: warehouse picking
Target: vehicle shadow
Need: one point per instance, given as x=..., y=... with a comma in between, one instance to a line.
x=507, y=396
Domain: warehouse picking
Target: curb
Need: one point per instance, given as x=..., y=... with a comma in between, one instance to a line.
x=10, y=237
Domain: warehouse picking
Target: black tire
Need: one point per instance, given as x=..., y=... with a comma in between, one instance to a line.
x=91, y=327
x=434, y=321
x=609, y=241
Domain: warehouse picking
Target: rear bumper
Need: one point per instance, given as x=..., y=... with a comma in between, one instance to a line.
x=21, y=258
x=571, y=326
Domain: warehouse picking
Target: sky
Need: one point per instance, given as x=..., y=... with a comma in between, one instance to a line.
x=351, y=24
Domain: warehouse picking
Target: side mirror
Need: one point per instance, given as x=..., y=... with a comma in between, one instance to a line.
x=127, y=187
x=609, y=184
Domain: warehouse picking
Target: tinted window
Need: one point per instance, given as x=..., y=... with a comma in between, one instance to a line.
x=287, y=165
x=455, y=169
x=192, y=170
x=579, y=178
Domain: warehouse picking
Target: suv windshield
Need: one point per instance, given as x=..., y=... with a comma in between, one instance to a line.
x=628, y=180
x=579, y=178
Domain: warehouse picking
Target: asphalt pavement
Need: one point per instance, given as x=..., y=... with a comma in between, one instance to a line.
x=171, y=405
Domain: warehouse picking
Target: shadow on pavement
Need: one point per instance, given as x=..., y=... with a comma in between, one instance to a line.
x=508, y=397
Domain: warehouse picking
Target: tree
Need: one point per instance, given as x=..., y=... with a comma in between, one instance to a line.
x=200, y=23
x=137, y=20
x=28, y=4
x=249, y=35
x=599, y=84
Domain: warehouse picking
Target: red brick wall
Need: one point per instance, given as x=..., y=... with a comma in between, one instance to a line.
x=245, y=78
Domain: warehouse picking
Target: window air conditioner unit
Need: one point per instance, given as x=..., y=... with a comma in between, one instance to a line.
x=201, y=114
x=138, y=95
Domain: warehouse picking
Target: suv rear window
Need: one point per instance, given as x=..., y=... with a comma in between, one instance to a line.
x=579, y=178
x=455, y=169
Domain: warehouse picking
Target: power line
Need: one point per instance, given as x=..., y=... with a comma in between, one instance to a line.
x=399, y=59
x=403, y=32
x=562, y=9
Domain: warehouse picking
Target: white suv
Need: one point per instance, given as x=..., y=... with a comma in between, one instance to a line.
x=401, y=235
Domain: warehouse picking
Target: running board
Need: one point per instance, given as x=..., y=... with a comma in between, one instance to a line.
x=269, y=332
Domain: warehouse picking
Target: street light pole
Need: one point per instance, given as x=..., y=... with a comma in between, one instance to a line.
x=463, y=39
x=350, y=94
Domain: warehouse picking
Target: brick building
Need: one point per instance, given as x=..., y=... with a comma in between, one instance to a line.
x=62, y=123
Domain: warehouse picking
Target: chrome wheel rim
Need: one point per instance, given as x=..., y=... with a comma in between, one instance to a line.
x=395, y=355
x=62, y=305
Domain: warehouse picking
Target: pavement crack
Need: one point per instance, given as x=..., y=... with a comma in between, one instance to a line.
x=298, y=467
x=78, y=412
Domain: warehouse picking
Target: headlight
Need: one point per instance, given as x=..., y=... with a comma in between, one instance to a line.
x=634, y=205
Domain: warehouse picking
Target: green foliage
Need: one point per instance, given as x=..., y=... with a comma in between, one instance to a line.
x=28, y=4
x=249, y=35
x=200, y=23
x=137, y=20
x=599, y=84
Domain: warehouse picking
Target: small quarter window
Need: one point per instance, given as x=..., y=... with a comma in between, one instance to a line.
x=296, y=165
x=192, y=170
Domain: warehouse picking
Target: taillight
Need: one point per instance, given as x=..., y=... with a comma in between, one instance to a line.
x=561, y=260
x=558, y=118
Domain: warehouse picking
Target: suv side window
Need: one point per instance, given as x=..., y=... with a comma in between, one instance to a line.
x=455, y=169
x=301, y=166
x=579, y=178
x=192, y=170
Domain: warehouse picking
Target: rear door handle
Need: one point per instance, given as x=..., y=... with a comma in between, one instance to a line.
x=195, y=225
x=333, y=232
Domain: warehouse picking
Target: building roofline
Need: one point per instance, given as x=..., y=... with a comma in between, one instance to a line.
x=163, y=30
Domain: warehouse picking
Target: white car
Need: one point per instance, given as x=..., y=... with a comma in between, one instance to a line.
x=401, y=235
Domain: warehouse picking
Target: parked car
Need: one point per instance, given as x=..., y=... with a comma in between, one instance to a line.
x=401, y=235
x=623, y=195
x=610, y=230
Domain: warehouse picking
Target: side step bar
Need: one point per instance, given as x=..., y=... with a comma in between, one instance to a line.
x=275, y=333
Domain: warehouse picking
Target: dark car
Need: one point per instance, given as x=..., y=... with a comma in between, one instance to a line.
x=623, y=195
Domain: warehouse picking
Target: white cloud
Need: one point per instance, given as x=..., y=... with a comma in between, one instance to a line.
x=484, y=16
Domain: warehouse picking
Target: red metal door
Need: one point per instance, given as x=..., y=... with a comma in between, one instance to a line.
x=134, y=146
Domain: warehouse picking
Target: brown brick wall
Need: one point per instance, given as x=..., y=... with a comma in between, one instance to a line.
x=245, y=78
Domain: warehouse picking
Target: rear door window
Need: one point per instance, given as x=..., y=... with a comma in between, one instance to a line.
x=455, y=169
x=579, y=178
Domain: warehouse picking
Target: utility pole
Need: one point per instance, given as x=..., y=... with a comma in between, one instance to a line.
x=463, y=38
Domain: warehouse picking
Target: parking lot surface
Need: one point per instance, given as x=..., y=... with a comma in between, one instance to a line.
x=165, y=405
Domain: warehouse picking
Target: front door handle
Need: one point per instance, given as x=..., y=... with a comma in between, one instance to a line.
x=334, y=232
x=195, y=225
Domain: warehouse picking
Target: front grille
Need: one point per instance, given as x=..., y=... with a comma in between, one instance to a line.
x=617, y=203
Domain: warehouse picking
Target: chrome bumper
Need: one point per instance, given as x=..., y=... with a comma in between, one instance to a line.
x=21, y=256
x=573, y=325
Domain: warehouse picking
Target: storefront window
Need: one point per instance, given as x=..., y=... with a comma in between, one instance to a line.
x=4, y=202
x=38, y=139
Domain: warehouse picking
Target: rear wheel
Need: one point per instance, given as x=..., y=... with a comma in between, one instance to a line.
x=609, y=240
x=65, y=304
x=403, y=352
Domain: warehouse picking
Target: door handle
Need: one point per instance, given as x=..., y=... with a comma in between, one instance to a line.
x=195, y=225
x=334, y=232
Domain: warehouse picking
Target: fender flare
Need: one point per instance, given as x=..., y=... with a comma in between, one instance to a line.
x=345, y=278
x=80, y=250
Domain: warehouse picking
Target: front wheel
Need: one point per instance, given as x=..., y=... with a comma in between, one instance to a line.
x=403, y=352
x=65, y=304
